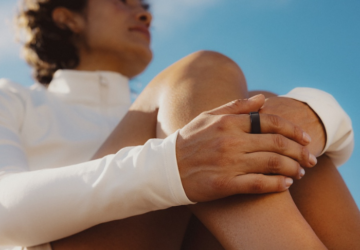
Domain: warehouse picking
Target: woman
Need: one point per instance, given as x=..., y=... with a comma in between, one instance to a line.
x=107, y=42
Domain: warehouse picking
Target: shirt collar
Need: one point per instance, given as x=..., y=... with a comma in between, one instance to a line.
x=92, y=87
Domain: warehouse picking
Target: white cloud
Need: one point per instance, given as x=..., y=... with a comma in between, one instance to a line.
x=8, y=44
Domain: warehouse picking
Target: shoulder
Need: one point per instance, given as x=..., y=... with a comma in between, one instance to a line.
x=13, y=100
x=17, y=92
x=8, y=84
x=9, y=88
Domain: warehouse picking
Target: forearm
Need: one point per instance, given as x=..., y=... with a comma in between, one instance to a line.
x=337, y=127
x=56, y=203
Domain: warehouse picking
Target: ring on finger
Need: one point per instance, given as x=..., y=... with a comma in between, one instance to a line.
x=255, y=123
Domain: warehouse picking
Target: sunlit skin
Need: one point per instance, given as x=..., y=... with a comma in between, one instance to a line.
x=113, y=35
x=110, y=35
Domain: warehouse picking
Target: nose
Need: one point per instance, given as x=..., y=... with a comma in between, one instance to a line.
x=145, y=17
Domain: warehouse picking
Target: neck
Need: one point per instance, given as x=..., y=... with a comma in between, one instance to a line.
x=101, y=62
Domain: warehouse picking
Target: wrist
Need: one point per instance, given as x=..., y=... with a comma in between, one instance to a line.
x=317, y=132
x=302, y=115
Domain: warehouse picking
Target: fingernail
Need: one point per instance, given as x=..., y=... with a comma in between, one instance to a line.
x=312, y=159
x=255, y=97
x=289, y=182
x=306, y=137
x=302, y=172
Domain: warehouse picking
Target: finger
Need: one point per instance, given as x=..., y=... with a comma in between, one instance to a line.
x=273, y=124
x=260, y=184
x=272, y=163
x=280, y=144
x=240, y=106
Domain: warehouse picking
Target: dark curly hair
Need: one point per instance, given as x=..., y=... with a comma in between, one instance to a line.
x=48, y=47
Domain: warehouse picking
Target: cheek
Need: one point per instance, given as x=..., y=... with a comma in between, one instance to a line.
x=107, y=24
x=107, y=14
x=118, y=5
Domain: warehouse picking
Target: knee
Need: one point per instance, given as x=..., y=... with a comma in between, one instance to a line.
x=201, y=65
x=204, y=73
x=217, y=62
x=267, y=94
x=205, y=68
x=208, y=55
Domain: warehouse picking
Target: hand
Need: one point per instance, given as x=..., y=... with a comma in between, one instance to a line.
x=217, y=157
x=300, y=114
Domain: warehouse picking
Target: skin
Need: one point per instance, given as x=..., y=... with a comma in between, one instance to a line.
x=223, y=216
x=109, y=35
x=298, y=216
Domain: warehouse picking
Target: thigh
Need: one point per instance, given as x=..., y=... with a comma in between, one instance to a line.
x=326, y=203
x=160, y=230
x=199, y=237
x=323, y=200
x=169, y=93
x=170, y=101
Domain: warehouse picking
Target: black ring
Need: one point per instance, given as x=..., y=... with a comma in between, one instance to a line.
x=255, y=123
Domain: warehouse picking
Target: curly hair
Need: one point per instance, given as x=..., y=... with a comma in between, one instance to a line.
x=48, y=47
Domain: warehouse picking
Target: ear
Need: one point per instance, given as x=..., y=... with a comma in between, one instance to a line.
x=66, y=19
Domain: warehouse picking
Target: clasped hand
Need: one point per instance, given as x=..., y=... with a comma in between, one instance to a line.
x=219, y=157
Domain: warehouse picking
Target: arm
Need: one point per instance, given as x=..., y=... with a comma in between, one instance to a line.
x=134, y=181
x=242, y=215
x=40, y=206
x=319, y=114
x=77, y=197
x=336, y=123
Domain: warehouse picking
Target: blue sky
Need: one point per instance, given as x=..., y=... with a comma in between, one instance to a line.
x=280, y=44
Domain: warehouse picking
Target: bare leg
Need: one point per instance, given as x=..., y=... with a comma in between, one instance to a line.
x=199, y=82
x=140, y=124
x=325, y=202
x=157, y=230
x=322, y=197
x=206, y=81
x=199, y=237
x=160, y=230
x=148, y=111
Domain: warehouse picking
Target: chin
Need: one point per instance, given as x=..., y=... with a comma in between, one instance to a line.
x=147, y=55
x=140, y=60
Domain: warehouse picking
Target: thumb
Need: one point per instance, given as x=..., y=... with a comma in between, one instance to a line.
x=240, y=106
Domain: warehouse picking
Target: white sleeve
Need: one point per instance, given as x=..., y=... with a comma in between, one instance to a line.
x=45, y=205
x=339, y=132
x=42, y=206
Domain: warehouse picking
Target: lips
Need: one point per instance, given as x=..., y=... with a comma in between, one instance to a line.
x=142, y=30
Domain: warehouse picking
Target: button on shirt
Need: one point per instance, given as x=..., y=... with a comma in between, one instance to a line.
x=48, y=187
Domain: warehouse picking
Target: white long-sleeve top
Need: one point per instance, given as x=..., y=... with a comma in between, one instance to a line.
x=48, y=187
x=339, y=132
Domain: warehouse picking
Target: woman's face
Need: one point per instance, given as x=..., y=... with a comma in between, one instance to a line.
x=118, y=29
